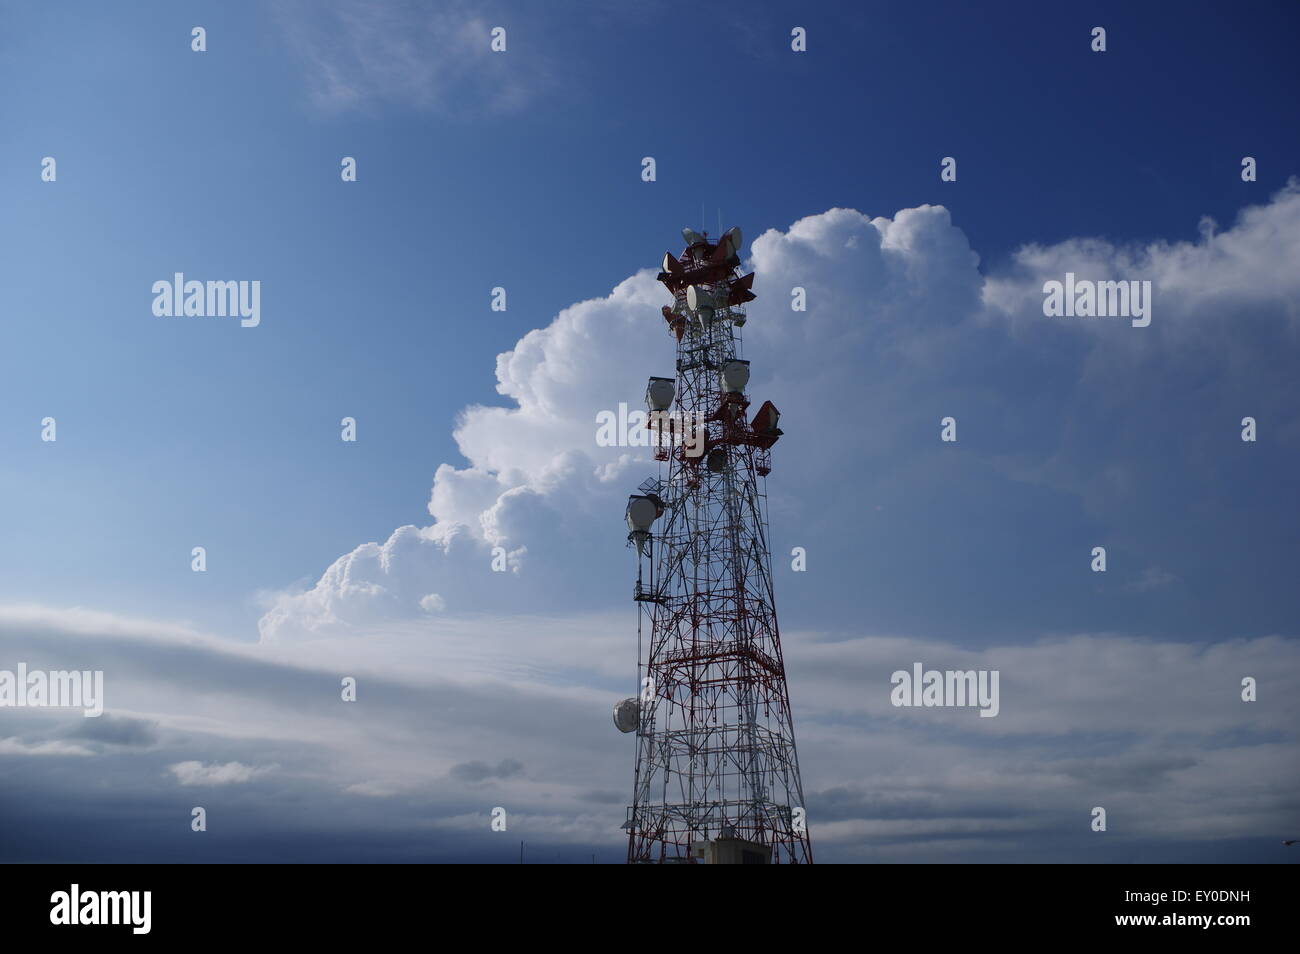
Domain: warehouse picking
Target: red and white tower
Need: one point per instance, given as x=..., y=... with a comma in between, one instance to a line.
x=717, y=776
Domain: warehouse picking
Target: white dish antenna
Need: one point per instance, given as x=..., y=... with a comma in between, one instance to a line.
x=735, y=375
x=698, y=297
x=627, y=714
x=659, y=393
x=641, y=512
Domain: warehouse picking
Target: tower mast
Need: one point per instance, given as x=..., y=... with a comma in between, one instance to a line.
x=717, y=774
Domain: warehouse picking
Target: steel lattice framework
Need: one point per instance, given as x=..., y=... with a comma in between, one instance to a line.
x=715, y=740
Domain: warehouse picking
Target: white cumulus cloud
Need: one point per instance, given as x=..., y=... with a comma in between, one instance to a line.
x=900, y=323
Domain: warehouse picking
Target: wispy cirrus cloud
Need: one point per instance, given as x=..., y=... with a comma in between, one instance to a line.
x=215, y=773
x=16, y=746
x=360, y=54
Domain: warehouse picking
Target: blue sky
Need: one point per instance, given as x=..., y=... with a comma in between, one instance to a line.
x=218, y=164
x=522, y=169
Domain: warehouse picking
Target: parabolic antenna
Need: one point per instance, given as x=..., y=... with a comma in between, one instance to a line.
x=697, y=298
x=733, y=238
x=735, y=375
x=641, y=512
x=692, y=237
x=659, y=393
x=627, y=714
x=767, y=419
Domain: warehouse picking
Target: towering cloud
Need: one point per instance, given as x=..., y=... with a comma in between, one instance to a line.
x=900, y=329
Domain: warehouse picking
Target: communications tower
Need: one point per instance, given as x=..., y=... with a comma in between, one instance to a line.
x=717, y=776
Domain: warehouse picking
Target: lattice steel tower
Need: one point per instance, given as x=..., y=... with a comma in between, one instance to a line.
x=717, y=776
